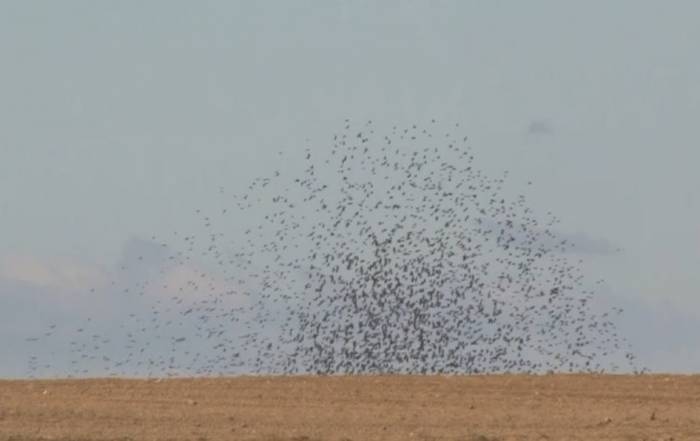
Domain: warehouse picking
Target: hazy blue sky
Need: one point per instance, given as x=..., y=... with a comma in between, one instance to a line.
x=117, y=119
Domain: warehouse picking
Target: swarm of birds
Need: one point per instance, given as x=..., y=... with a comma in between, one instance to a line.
x=389, y=253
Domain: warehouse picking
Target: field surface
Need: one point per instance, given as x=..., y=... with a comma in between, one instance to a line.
x=461, y=408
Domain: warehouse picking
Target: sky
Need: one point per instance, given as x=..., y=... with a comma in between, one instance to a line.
x=118, y=119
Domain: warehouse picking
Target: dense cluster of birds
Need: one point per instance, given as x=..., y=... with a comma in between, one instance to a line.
x=388, y=253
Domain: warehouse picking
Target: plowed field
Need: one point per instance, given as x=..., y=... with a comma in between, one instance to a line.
x=464, y=408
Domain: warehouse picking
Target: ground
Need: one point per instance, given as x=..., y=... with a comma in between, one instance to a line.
x=456, y=408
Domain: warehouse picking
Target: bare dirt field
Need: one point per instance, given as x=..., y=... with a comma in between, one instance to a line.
x=461, y=408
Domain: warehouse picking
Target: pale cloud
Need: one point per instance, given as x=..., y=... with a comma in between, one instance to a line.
x=40, y=293
x=143, y=267
x=194, y=282
x=59, y=273
x=582, y=243
x=577, y=242
x=148, y=264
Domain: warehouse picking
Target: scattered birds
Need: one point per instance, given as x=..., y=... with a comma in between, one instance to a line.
x=388, y=253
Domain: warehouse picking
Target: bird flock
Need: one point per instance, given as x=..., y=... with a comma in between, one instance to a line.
x=391, y=252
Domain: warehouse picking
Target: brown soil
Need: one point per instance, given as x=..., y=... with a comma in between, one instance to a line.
x=476, y=408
